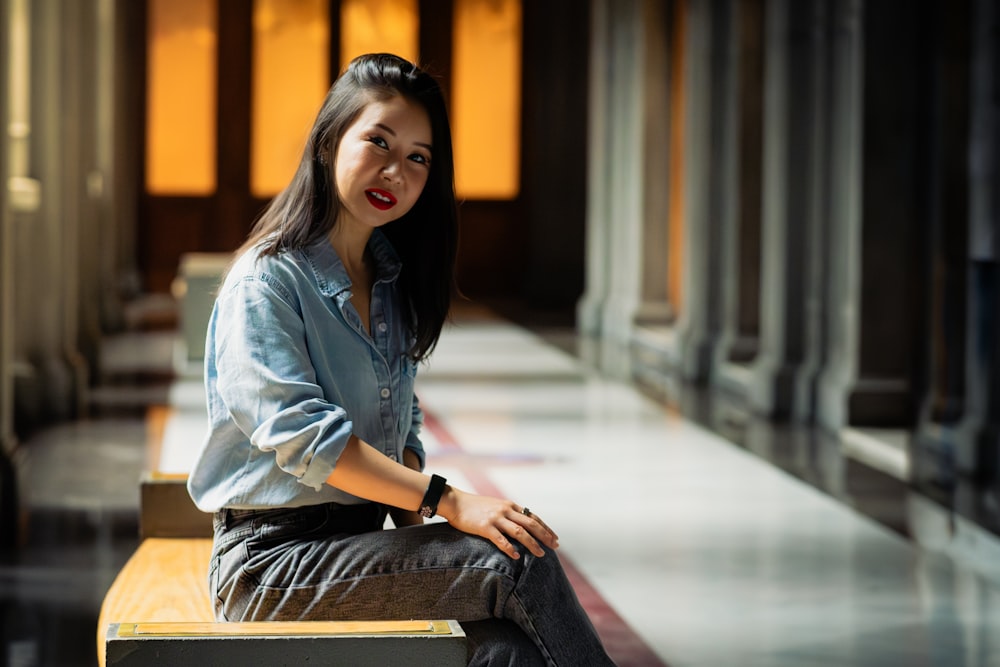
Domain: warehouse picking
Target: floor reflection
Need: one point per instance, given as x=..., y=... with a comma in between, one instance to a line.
x=721, y=563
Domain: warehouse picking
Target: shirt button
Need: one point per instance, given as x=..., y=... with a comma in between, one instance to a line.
x=392, y=456
x=382, y=327
x=384, y=393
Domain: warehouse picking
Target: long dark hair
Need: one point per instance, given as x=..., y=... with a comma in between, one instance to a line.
x=425, y=238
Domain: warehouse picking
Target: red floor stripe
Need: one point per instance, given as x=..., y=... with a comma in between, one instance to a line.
x=623, y=644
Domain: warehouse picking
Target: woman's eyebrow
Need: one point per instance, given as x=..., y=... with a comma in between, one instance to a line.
x=389, y=130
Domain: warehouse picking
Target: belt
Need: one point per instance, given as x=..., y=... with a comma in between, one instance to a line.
x=361, y=517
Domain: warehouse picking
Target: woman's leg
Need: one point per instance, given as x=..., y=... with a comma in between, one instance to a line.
x=497, y=643
x=289, y=566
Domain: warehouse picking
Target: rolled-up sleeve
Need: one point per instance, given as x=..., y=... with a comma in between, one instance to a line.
x=413, y=436
x=268, y=384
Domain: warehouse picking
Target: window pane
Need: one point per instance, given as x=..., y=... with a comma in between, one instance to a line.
x=181, y=97
x=291, y=74
x=486, y=98
x=374, y=26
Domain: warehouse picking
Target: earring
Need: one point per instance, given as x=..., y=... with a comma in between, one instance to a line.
x=322, y=158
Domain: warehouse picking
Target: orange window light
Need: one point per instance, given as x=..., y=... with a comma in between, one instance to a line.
x=291, y=74
x=486, y=98
x=181, y=97
x=379, y=26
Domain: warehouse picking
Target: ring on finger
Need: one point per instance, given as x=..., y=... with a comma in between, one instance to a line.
x=526, y=512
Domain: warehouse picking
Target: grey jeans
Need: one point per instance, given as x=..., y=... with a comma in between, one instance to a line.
x=334, y=562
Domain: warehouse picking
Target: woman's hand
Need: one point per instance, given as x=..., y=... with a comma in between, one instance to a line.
x=364, y=472
x=500, y=521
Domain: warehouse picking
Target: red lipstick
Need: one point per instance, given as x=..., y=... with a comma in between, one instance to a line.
x=380, y=199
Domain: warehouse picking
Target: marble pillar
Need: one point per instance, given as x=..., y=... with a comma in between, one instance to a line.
x=741, y=189
x=947, y=414
x=709, y=182
x=785, y=369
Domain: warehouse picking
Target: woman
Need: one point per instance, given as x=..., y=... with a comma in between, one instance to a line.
x=339, y=292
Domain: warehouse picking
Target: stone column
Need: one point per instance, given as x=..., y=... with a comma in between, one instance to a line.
x=108, y=315
x=742, y=238
x=83, y=240
x=949, y=310
x=877, y=217
x=625, y=182
x=95, y=242
x=738, y=188
x=844, y=231
x=708, y=186
x=125, y=161
x=615, y=182
x=598, y=231
x=978, y=436
x=14, y=78
x=782, y=385
x=654, y=306
x=62, y=371
x=43, y=383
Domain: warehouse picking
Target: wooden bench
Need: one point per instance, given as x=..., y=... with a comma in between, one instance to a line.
x=347, y=643
x=158, y=612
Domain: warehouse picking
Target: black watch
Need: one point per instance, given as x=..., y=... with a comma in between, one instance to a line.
x=429, y=505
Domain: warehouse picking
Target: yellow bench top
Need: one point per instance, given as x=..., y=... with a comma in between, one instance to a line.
x=163, y=591
x=165, y=580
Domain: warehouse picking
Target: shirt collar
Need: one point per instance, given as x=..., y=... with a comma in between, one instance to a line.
x=331, y=276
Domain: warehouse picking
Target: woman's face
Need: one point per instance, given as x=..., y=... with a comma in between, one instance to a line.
x=382, y=162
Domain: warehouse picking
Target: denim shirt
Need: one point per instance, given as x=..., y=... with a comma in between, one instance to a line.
x=291, y=374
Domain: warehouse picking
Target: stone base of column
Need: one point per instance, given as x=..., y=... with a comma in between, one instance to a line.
x=781, y=391
x=588, y=316
x=933, y=456
x=697, y=354
x=45, y=393
x=946, y=455
x=732, y=366
x=881, y=402
x=654, y=358
x=9, y=500
x=771, y=392
x=875, y=402
x=972, y=448
x=735, y=379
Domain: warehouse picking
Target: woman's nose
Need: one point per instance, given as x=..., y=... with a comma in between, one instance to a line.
x=391, y=171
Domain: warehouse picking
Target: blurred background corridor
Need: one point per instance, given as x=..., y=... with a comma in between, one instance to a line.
x=729, y=267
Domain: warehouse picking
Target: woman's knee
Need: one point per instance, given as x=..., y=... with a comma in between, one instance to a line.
x=499, y=643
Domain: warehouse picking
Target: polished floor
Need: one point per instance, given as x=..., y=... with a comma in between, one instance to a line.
x=693, y=539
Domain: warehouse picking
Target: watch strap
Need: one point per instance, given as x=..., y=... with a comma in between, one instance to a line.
x=429, y=505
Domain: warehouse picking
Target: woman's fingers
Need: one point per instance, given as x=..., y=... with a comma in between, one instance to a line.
x=529, y=530
x=510, y=532
x=504, y=544
x=532, y=522
x=502, y=522
x=522, y=534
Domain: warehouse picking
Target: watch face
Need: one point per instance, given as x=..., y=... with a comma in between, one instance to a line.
x=426, y=512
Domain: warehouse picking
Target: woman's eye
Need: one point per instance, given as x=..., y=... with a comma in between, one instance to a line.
x=420, y=159
x=378, y=141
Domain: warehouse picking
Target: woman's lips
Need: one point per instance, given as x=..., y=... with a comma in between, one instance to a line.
x=380, y=199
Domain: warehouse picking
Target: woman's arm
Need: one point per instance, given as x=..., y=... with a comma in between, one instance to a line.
x=365, y=472
x=402, y=517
